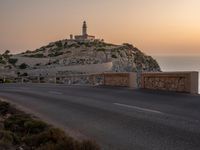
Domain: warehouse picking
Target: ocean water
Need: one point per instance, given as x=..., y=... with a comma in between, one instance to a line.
x=179, y=63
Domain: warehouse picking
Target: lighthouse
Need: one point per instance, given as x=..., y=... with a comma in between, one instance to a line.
x=84, y=36
x=84, y=29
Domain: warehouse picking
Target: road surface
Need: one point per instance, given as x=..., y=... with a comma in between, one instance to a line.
x=117, y=118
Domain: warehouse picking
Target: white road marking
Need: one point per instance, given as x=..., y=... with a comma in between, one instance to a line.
x=139, y=108
x=54, y=92
x=25, y=88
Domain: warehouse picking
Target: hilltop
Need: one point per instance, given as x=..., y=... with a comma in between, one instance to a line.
x=65, y=53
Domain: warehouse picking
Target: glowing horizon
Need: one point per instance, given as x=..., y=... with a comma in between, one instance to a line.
x=160, y=27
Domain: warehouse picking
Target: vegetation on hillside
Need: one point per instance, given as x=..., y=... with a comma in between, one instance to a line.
x=125, y=57
x=21, y=131
x=23, y=66
x=35, y=55
x=12, y=61
x=4, y=57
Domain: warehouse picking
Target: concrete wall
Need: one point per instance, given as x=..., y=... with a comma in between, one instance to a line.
x=120, y=79
x=171, y=81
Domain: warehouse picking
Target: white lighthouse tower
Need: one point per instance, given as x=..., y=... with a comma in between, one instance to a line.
x=84, y=36
x=84, y=29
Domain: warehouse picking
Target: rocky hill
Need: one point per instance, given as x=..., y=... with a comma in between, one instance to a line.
x=124, y=58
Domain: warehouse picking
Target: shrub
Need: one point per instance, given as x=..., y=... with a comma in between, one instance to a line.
x=2, y=61
x=58, y=53
x=4, y=108
x=87, y=45
x=16, y=123
x=12, y=61
x=8, y=81
x=23, y=124
x=51, y=135
x=24, y=74
x=56, y=49
x=49, y=46
x=40, y=49
x=34, y=126
x=6, y=54
x=27, y=52
x=21, y=129
x=38, y=64
x=55, y=139
x=89, y=145
x=73, y=45
x=55, y=54
x=59, y=44
x=36, y=55
x=23, y=66
x=8, y=138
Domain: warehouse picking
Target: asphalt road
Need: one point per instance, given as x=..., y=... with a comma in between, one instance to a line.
x=117, y=118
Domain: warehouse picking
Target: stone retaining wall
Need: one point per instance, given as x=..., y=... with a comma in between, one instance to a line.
x=116, y=79
x=171, y=81
x=120, y=79
x=107, y=79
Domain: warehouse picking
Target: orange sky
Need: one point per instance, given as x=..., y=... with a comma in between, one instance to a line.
x=157, y=27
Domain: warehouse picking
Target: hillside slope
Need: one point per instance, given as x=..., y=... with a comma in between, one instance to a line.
x=125, y=58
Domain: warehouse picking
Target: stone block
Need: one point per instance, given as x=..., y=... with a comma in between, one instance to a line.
x=171, y=81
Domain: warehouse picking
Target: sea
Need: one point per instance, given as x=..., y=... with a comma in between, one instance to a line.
x=179, y=63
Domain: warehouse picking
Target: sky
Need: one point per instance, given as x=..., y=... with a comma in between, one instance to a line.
x=157, y=27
